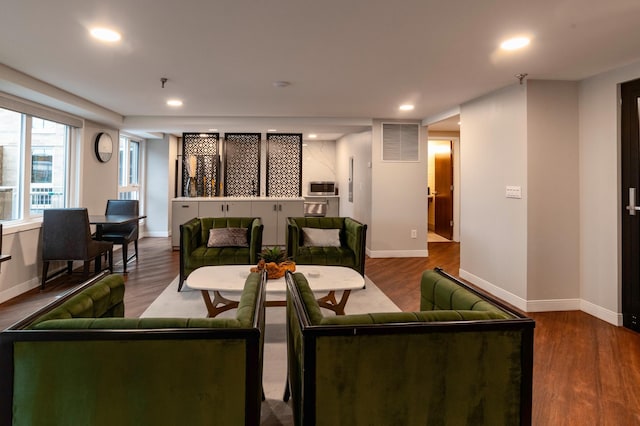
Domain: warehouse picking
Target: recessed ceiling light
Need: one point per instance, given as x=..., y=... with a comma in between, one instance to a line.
x=174, y=102
x=515, y=43
x=105, y=34
x=406, y=107
x=271, y=130
x=213, y=130
x=312, y=136
x=281, y=83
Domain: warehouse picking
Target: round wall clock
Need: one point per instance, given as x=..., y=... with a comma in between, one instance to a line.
x=104, y=147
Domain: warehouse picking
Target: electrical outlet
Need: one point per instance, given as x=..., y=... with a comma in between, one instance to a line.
x=414, y=233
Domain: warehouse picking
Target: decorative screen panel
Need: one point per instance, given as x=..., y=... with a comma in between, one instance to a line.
x=284, y=165
x=200, y=164
x=242, y=164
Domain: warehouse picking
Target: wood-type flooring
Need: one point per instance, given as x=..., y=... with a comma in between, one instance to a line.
x=586, y=371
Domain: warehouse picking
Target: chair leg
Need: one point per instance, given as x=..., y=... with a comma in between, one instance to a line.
x=70, y=267
x=124, y=256
x=86, y=268
x=98, y=264
x=135, y=246
x=110, y=255
x=45, y=268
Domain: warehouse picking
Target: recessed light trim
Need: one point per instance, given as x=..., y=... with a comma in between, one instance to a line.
x=406, y=107
x=281, y=83
x=105, y=34
x=174, y=102
x=515, y=43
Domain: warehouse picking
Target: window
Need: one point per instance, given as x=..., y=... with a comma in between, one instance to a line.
x=44, y=146
x=49, y=142
x=129, y=169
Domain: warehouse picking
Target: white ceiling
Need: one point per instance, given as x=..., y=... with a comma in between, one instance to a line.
x=348, y=61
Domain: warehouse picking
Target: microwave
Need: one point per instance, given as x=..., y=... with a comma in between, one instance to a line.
x=322, y=188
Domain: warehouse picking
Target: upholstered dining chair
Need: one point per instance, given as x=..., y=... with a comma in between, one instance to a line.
x=122, y=234
x=66, y=236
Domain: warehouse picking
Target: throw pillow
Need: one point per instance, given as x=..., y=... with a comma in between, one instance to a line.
x=227, y=237
x=317, y=237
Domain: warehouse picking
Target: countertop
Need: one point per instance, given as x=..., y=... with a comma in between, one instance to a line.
x=183, y=199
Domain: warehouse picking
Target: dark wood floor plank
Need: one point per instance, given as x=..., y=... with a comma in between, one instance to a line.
x=586, y=371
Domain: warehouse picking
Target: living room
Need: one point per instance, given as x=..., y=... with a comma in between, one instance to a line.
x=556, y=136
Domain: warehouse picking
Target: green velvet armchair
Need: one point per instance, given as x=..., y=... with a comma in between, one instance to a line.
x=195, y=250
x=464, y=359
x=79, y=362
x=348, y=249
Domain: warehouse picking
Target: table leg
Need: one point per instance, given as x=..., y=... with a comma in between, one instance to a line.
x=212, y=306
x=329, y=302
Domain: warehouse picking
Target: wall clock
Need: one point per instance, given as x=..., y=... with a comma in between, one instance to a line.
x=104, y=147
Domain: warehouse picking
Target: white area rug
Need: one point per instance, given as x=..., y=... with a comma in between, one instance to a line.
x=189, y=303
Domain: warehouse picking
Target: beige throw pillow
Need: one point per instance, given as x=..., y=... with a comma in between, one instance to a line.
x=317, y=237
x=227, y=237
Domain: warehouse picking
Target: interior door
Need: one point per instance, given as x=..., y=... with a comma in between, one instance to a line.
x=630, y=163
x=443, y=195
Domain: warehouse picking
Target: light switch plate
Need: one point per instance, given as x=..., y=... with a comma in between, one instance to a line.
x=514, y=192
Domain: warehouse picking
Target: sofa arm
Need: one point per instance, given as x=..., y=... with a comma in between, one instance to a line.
x=190, y=236
x=255, y=240
x=293, y=238
x=356, y=240
x=104, y=299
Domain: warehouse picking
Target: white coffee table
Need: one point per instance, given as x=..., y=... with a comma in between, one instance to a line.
x=231, y=278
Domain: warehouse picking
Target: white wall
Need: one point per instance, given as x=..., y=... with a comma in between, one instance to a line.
x=358, y=146
x=160, y=169
x=600, y=203
x=493, y=229
x=318, y=162
x=99, y=180
x=22, y=272
x=553, y=232
x=398, y=201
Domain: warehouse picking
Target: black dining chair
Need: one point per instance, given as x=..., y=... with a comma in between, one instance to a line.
x=125, y=233
x=66, y=236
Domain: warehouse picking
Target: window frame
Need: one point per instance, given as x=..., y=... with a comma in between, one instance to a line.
x=24, y=213
x=125, y=166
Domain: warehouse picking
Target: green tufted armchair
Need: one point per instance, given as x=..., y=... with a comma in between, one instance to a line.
x=463, y=359
x=195, y=253
x=352, y=242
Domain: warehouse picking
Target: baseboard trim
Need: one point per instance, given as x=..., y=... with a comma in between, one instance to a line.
x=19, y=289
x=156, y=234
x=494, y=290
x=601, y=313
x=549, y=305
x=397, y=253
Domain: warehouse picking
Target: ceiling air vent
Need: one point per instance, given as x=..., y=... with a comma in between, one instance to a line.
x=400, y=142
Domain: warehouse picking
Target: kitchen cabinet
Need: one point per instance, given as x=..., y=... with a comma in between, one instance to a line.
x=272, y=211
x=274, y=214
x=181, y=212
x=226, y=208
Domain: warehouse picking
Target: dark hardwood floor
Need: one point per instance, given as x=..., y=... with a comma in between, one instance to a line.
x=586, y=371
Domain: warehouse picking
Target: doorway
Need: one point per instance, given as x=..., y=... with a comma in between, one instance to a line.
x=440, y=190
x=630, y=164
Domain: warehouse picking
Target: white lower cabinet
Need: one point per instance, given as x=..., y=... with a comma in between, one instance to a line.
x=224, y=208
x=181, y=212
x=273, y=213
x=274, y=216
